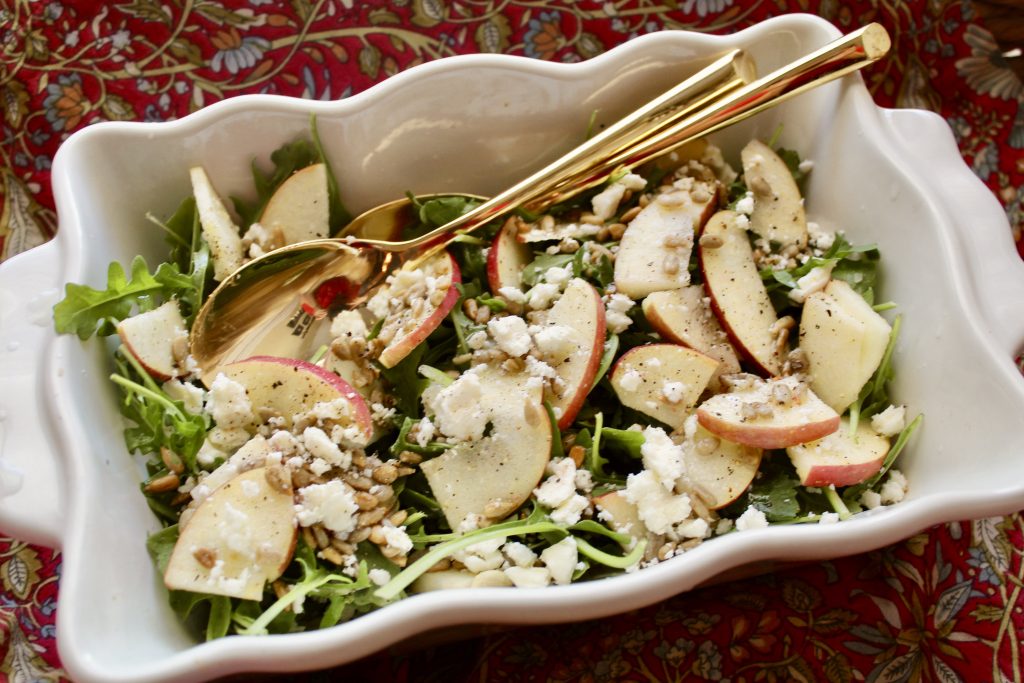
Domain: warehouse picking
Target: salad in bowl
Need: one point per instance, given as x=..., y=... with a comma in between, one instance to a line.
x=677, y=355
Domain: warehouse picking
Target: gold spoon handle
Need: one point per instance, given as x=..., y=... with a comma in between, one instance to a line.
x=711, y=112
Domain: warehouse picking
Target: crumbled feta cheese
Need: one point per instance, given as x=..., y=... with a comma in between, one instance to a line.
x=554, y=341
x=477, y=340
x=890, y=421
x=871, y=500
x=379, y=576
x=528, y=577
x=894, y=489
x=805, y=166
x=606, y=202
x=558, y=276
x=584, y=480
x=693, y=528
x=396, y=538
x=511, y=334
x=540, y=369
x=189, y=394
x=513, y=294
x=349, y=323
x=662, y=457
x=752, y=518
x=828, y=518
x=284, y=442
x=560, y=559
x=208, y=454
x=616, y=308
x=814, y=281
x=332, y=504
x=457, y=410
x=319, y=466
x=560, y=486
x=519, y=554
x=631, y=380
x=658, y=508
x=674, y=392
x=482, y=556
x=745, y=204
x=228, y=404
x=471, y=522
x=723, y=526
x=542, y=295
x=425, y=432
x=319, y=445
x=820, y=239
x=570, y=511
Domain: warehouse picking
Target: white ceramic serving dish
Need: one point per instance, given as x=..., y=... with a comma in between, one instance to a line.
x=475, y=124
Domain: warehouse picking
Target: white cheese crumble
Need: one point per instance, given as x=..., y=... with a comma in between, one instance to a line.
x=745, y=204
x=871, y=500
x=616, y=307
x=558, y=276
x=814, y=281
x=513, y=294
x=554, y=341
x=319, y=445
x=482, y=556
x=228, y=404
x=511, y=334
x=752, y=518
x=560, y=486
x=631, y=380
x=457, y=408
x=894, y=489
x=570, y=511
x=519, y=554
x=349, y=323
x=477, y=340
x=332, y=504
x=693, y=528
x=379, y=576
x=820, y=239
x=528, y=577
x=890, y=421
x=674, y=392
x=662, y=457
x=542, y=295
x=189, y=394
x=658, y=508
x=425, y=432
x=828, y=518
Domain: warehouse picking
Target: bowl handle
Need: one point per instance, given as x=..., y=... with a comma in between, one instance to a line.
x=996, y=270
x=31, y=484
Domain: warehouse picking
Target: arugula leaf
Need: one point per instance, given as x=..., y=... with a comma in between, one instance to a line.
x=611, y=346
x=791, y=158
x=402, y=443
x=557, y=451
x=86, y=311
x=628, y=440
x=774, y=491
x=338, y=215
x=533, y=271
x=406, y=384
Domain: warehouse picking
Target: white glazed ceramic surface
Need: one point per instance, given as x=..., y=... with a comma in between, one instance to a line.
x=475, y=124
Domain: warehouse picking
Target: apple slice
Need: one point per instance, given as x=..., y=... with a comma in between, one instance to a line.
x=507, y=258
x=219, y=230
x=843, y=340
x=777, y=413
x=427, y=292
x=721, y=468
x=738, y=296
x=239, y=537
x=581, y=310
x=655, y=249
x=684, y=316
x=778, y=214
x=841, y=458
x=299, y=207
x=285, y=387
x=621, y=515
x=158, y=339
x=494, y=475
x=662, y=380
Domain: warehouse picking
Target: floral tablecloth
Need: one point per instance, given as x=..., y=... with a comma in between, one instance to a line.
x=945, y=605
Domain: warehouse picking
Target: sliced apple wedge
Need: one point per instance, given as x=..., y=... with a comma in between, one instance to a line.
x=239, y=537
x=299, y=207
x=219, y=230
x=778, y=214
x=777, y=413
x=843, y=340
x=738, y=296
x=285, y=387
x=662, y=380
x=722, y=469
x=656, y=247
x=684, y=316
x=841, y=458
x=621, y=515
x=581, y=312
x=507, y=258
x=494, y=475
x=156, y=339
x=427, y=294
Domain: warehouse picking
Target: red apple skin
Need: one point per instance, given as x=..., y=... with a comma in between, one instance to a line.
x=393, y=354
x=506, y=247
x=842, y=475
x=766, y=436
x=571, y=409
x=361, y=412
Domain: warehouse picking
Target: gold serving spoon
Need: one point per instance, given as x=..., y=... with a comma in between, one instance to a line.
x=272, y=305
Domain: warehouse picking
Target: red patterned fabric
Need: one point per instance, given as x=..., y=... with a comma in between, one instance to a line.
x=945, y=605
